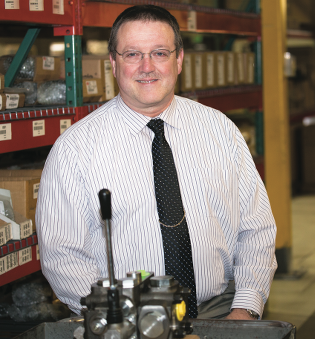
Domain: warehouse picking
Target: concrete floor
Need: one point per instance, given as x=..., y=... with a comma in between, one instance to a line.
x=293, y=299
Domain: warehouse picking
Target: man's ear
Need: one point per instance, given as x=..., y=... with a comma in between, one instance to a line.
x=113, y=62
x=180, y=60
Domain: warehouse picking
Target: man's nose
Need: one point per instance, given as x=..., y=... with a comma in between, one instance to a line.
x=147, y=64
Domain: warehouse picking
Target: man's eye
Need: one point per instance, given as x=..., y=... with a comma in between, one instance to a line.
x=131, y=55
x=160, y=54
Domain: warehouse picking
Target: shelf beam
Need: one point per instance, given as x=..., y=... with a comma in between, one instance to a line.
x=103, y=14
x=276, y=126
x=21, y=55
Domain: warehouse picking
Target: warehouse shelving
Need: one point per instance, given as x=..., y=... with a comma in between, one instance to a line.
x=21, y=125
x=234, y=97
x=79, y=14
x=31, y=265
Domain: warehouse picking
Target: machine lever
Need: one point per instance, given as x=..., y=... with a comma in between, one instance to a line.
x=106, y=210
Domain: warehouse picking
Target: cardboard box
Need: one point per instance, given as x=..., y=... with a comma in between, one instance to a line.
x=187, y=83
x=220, y=68
x=92, y=66
x=1, y=82
x=250, y=68
x=210, y=76
x=62, y=73
x=109, y=81
x=21, y=227
x=230, y=68
x=240, y=68
x=199, y=71
x=2, y=102
x=23, y=185
x=14, y=100
x=5, y=232
x=99, y=67
x=92, y=89
x=46, y=68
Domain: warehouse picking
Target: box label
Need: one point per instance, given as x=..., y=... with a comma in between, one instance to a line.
x=37, y=252
x=3, y=238
x=192, y=20
x=3, y=268
x=58, y=7
x=25, y=255
x=64, y=124
x=109, y=80
x=187, y=65
x=26, y=229
x=210, y=70
x=38, y=128
x=8, y=232
x=11, y=4
x=36, y=5
x=35, y=190
x=91, y=87
x=230, y=67
x=5, y=234
x=220, y=64
x=5, y=132
x=198, y=70
x=11, y=261
x=12, y=101
x=48, y=63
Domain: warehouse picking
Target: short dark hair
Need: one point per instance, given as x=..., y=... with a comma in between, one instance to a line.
x=144, y=13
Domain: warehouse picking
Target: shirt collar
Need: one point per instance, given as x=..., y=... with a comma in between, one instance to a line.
x=136, y=121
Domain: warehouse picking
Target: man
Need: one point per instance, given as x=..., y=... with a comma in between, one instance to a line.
x=224, y=207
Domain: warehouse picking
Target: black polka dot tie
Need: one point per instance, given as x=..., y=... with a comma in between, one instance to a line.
x=175, y=235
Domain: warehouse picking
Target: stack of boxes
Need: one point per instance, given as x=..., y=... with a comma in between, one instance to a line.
x=23, y=186
x=205, y=70
x=201, y=70
x=98, y=82
x=44, y=69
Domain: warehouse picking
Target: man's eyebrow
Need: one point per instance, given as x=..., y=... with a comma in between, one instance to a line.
x=134, y=48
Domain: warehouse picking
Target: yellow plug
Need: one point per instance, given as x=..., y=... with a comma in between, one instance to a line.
x=180, y=310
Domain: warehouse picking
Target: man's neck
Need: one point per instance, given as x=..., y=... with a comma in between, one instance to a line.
x=149, y=111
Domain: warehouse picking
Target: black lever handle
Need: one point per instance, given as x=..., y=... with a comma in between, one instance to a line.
x=105, y=201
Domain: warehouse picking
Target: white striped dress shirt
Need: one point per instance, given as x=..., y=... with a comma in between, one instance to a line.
x=231, y=226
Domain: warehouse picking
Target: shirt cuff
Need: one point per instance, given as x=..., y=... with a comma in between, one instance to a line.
x=248, y=299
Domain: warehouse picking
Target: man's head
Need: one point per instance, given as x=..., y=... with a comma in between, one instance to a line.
x=146, y=56
x=144, y=13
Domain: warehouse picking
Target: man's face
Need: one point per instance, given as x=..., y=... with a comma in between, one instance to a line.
x=146, y=87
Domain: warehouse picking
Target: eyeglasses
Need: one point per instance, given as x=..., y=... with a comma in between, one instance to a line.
x=157, y=55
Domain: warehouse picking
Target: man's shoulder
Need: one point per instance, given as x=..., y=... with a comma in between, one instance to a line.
x=93, y=121
x=196, y=110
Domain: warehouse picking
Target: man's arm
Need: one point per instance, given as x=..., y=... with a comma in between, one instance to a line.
x=254, y=254
x=239, y=314
x=62, y=217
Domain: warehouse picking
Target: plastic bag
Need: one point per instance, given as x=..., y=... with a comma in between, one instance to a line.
x=30, y=91
x=31, y=293
x=52, y=93
x=27, y=70
x=38, y=312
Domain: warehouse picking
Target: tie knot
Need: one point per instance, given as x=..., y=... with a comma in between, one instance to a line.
x=157, y=126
